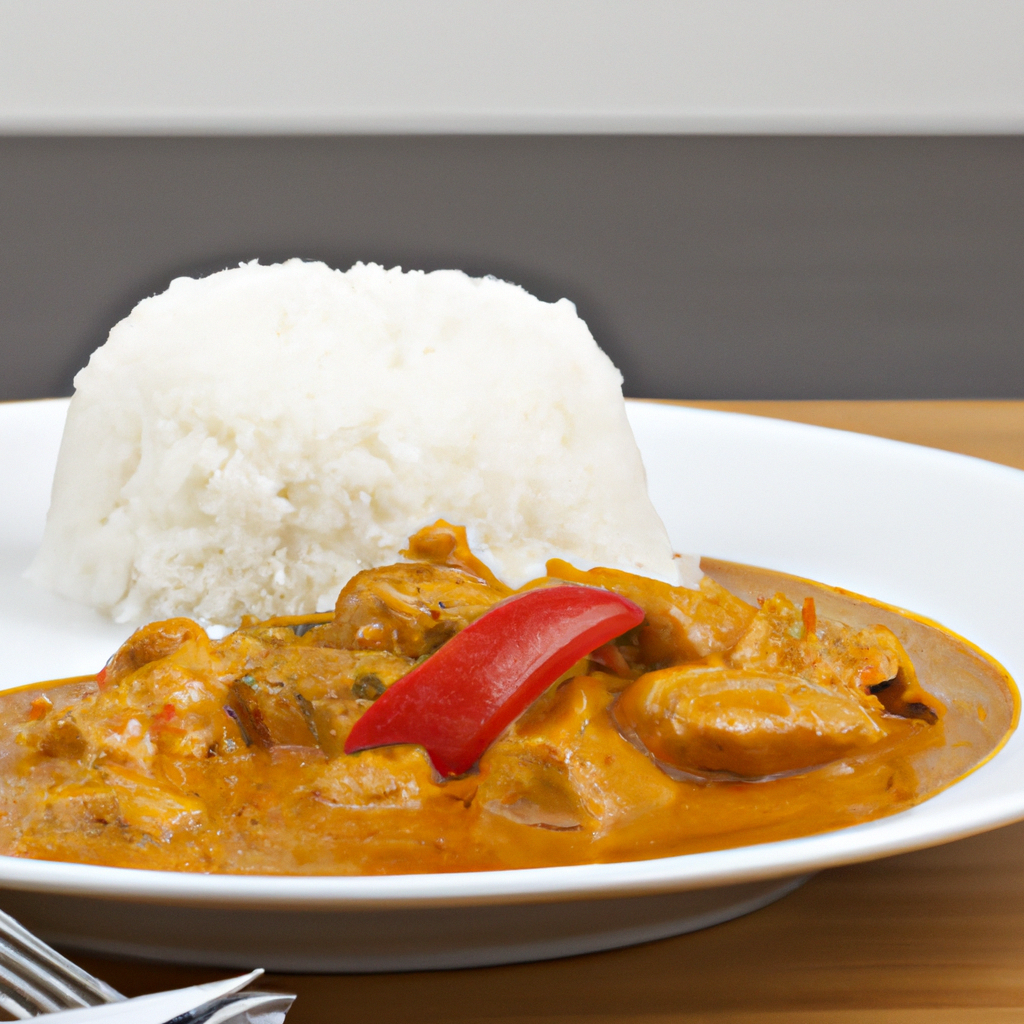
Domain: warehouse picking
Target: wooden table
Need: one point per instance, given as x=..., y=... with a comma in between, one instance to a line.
x=935, y=936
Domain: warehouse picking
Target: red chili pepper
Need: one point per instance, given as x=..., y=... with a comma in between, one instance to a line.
x=458, y=701
x=167, y=714
x=162, y=721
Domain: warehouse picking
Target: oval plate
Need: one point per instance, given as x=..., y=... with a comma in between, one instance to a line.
x=913, y=527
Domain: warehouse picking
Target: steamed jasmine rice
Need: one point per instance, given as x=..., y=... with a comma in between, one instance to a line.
x=246, y=442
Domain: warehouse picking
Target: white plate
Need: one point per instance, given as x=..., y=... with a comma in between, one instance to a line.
x=938, y=533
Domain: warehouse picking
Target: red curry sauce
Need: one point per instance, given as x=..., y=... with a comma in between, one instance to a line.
x=716, y=723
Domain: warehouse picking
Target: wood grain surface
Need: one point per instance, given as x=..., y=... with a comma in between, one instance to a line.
x=992, y=429
x=934, y=936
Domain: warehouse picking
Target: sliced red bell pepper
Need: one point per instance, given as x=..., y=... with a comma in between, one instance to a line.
x=460, y=699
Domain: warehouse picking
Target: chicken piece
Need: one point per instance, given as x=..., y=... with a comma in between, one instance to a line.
x=154, y=808
x=564, y=766
x=444, y=544
x=533, y=787
x=84, y=808
x=116, y=799
x=706, y=719
x=254, y=688
x=303, y=694
x=831, y=654
x=151, y=643
x=170, y=703
x=407, y=609
x=333, y=701
x=332, y=719
x=272, y=717
x=390, y=778
x=317, y=669
x=681, y=624
x=61, y=738
x=308, y=697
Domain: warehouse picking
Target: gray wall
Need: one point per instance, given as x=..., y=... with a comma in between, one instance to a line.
x=708, y=267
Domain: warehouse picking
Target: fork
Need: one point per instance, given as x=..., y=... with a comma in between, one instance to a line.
x=35, y=979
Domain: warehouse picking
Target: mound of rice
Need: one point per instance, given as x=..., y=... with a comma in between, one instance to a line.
x=246, y=442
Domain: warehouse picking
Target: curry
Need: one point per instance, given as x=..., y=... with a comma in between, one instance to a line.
x=726, y=717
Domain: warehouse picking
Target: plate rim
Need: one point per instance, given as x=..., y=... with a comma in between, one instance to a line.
x=882, y=837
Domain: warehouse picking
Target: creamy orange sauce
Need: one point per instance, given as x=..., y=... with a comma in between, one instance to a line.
x=719, y=722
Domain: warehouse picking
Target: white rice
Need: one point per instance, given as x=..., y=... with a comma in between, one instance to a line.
x=246, y=442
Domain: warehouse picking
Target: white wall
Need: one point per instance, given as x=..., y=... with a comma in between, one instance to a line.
x=516, y=65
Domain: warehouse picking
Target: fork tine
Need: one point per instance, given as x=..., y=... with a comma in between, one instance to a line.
x=14, y=1007
x=48, y=968
x=50, y=984
x=23, y=999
